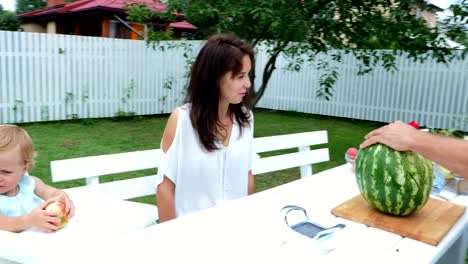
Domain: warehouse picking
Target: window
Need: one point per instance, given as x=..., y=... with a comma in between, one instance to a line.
x=118, y=30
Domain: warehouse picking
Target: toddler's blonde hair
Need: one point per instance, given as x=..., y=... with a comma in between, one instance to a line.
x=12, y=136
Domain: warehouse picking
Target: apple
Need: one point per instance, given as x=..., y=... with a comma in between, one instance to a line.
x=59, y=208
x=352, y=152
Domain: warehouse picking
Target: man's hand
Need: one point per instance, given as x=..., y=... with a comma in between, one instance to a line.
x=398, y=136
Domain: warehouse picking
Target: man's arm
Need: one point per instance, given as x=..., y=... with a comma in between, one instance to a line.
x=450, y=153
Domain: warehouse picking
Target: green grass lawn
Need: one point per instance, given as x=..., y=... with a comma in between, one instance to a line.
x=71, y=139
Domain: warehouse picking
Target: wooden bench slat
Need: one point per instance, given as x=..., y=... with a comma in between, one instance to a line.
x=78, y=168
x=290, y=160
x=264, y=144
x=122, y=189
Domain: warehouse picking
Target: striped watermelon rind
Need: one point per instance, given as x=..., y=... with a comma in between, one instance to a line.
x=393, y=182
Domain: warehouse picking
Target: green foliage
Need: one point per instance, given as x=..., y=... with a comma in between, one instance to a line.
x=68, y=97
x=157, y=23
x=126, y=97
x=122, y=115
x=128, y=92
x=456, y=26
x=9, y=21
x=45, y=113
x=447, y=132
x=18, y=109
x=87, y=121
x=139, y=13
x=462, y=39
x=24, y=6
x=73, y=116
x=300, y=30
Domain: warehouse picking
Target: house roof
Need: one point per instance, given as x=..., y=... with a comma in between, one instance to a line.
x=83, y=5
x=182, y=25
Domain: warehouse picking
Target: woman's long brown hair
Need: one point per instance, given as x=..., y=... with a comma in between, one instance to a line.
x=222, y=53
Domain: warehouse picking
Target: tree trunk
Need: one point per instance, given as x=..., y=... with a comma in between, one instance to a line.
x=267, y=72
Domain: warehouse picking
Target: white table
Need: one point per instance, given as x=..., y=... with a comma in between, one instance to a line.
x=252, y=230
x=95, y=218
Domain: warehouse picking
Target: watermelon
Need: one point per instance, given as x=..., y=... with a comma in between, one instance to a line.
x=393, y=182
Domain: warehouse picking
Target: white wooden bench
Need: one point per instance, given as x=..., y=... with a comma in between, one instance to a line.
x=93, y=167
x=304, y=158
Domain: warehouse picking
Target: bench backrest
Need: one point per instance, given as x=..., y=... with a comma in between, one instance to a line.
x=304, y=158
x=91, y=168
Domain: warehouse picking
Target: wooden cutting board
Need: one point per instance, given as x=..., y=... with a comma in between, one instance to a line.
x=428, y=225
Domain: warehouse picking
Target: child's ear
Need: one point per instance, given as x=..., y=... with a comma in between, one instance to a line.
x=26, y=167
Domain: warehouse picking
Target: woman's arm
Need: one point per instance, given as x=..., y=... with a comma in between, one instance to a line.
x=166, y=189
x=251, y=187
x=166, y=204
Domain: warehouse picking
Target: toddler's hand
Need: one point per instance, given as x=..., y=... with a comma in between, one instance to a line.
x=43, y=219
x=69, y=207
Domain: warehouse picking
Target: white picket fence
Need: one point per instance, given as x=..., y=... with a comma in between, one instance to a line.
x=55, y=77
x=433, y=94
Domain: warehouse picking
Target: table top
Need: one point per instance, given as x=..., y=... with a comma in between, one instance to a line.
x=252, y=229
x=96, y=219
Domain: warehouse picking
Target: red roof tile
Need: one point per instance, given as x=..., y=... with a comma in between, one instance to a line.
x=81, y=5
x=182, y=25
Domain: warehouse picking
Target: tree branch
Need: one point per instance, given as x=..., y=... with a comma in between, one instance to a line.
x=268, y=70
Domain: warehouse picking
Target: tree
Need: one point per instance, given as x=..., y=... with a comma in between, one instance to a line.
x=374, y=31
x=456, y=25
x=24, y=6
x=8, y=20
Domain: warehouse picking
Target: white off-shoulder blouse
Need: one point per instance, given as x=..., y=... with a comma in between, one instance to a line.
x=204, y=179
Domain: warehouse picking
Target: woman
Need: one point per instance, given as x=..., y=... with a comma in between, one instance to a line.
x=208, y=142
